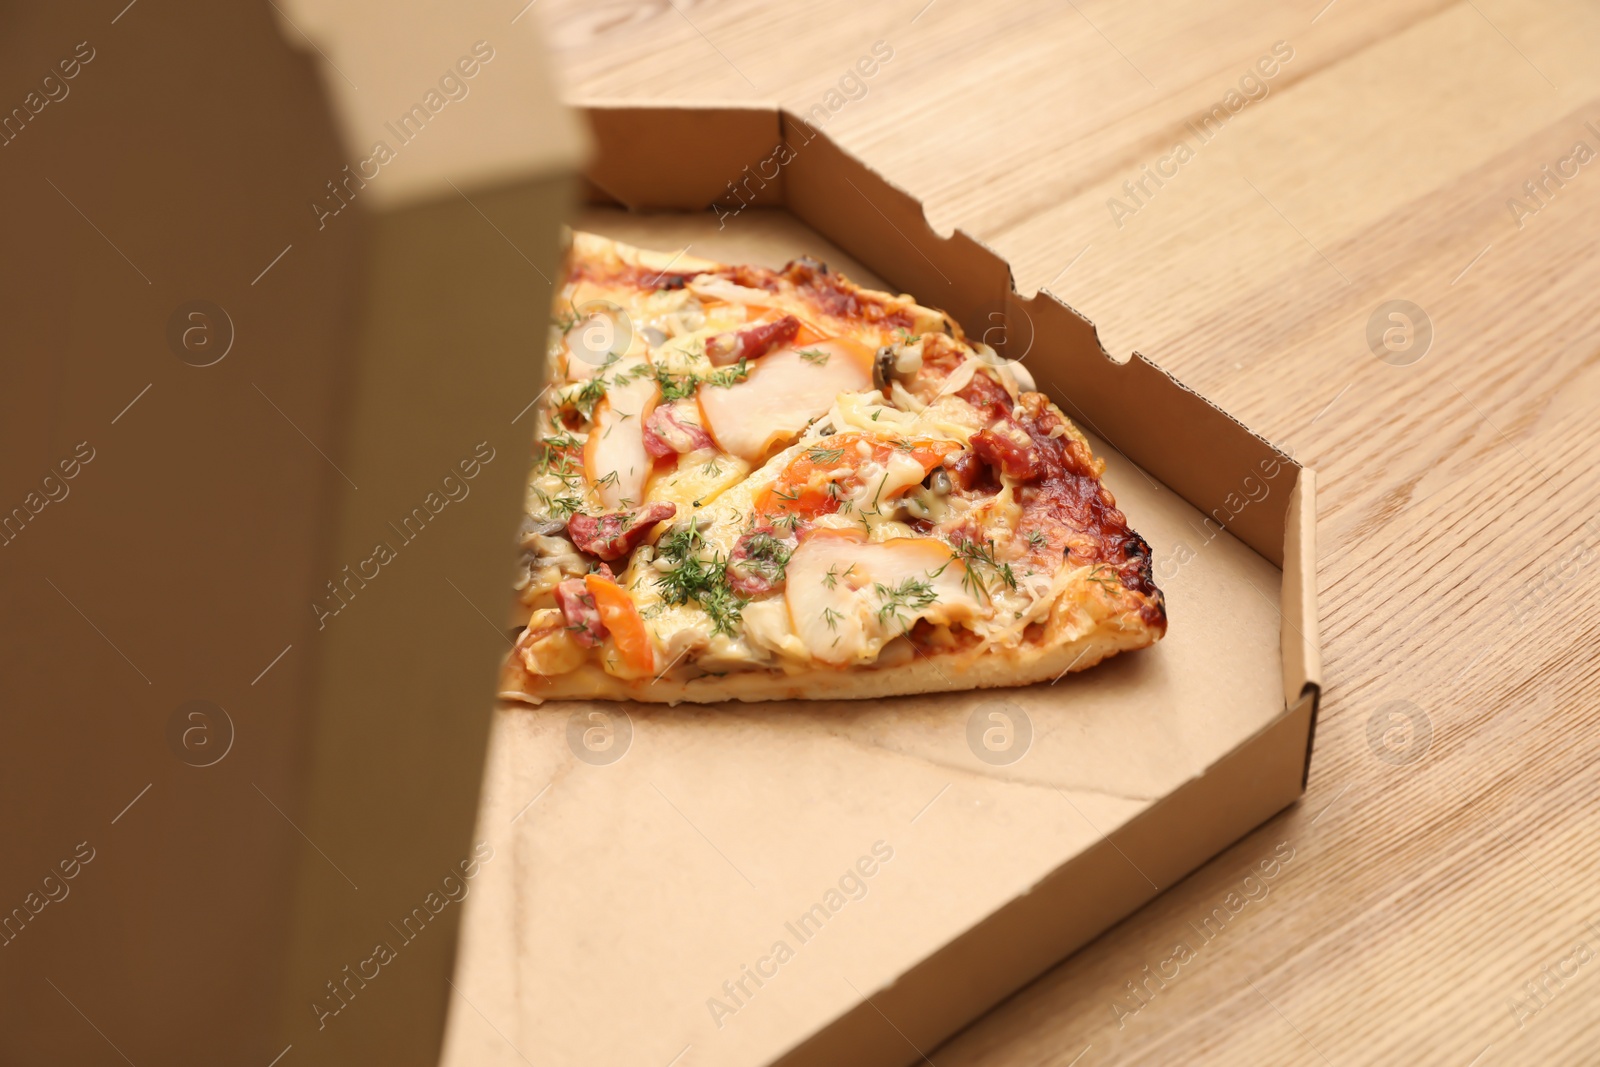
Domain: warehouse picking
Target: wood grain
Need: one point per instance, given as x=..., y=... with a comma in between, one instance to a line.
x=1458, y=525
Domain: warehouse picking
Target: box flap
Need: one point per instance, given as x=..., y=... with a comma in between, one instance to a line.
x=837, y=194
x=425, y=95
x=699, y=156
x=1302, y=655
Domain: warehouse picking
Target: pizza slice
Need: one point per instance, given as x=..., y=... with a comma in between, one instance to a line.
x=755, y=484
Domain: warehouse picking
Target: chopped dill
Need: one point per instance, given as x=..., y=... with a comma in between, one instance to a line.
x=676, y=386
x=1104, y=577
x=683, y=386
x=587, y=397
x=727, y=376
x=879, y=491
x=555, y=457
x=694, y=578
x=911, y=595
x=977, y=556
x=568, y=319
x=565, y=506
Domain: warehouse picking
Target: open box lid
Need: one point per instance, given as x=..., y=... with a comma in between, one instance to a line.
x=244, y=350
x=721, y=826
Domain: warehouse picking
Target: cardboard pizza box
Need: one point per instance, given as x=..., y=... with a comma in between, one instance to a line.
x=265, y=440
x=844, y=882
x=261, y=467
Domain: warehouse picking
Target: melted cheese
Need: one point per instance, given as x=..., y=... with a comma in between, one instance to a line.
x=699, y=478
x=722, y=518
x=948, y=418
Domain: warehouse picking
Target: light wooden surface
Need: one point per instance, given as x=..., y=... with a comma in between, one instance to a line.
x=1458, y=525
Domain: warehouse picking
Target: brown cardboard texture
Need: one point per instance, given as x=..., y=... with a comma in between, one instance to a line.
x=242, y=740
x=849, y=882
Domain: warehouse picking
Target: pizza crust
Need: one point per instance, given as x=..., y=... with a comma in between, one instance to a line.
x=981, y=668
x=1078, y=635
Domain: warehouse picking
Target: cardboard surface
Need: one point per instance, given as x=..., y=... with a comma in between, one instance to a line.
x=254, y=741
x=441, y=373
x=179, y=560
x=635, y=889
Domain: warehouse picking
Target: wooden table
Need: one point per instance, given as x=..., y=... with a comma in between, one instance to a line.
x=1444, y=857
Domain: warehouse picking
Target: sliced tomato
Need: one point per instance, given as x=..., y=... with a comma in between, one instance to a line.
x=830, y=469
x=622, y=620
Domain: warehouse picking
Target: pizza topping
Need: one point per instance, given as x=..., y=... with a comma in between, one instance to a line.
x=547, y=646
x=715, y=288
x=883, y=368
x=690, y=570
x=578, y=608
x=849, y=473
x=895, y=364
x=783, y=392
x=613, y=535
x=767, y=628
x=970, y=474
x=595, y=340
x=987, y=395
x=675, y=428
x=941, y=354
x=984, y=574
x=614, y=457
x=698, y=479
x=756, y=565
x=848, y=597
x=842, y=300
x=547, y=556
x=621, y=620
x=1008, y=449
x=751, y=343
x=1074, y=515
